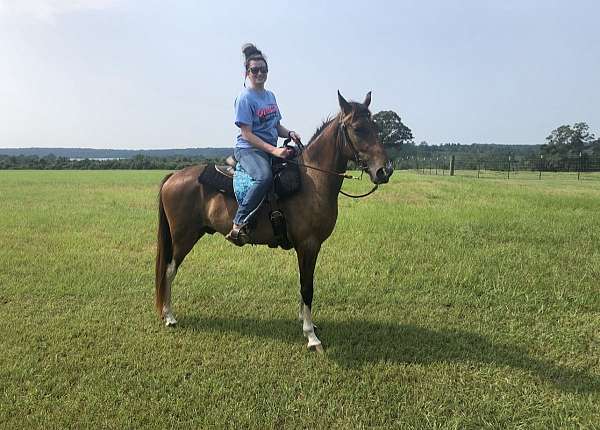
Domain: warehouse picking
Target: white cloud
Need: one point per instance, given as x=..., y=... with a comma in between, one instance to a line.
x=49, y=10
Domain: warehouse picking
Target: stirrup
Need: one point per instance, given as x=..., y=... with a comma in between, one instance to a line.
x=238, y=235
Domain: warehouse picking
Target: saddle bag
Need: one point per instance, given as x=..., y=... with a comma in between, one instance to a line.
x=286, y=178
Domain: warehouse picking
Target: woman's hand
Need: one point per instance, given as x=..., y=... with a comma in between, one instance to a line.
x=282, y=152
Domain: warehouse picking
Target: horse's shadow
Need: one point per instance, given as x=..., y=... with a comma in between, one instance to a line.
x=356, y=343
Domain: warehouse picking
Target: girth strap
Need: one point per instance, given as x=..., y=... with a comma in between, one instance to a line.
x=278, y=223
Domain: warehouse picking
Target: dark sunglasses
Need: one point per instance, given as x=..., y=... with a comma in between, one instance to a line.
x=255, y=70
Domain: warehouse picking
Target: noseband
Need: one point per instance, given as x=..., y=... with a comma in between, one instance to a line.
x=346, y=141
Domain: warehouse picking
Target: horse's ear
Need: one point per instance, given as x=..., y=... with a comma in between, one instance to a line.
x=344, y=105
x=367, y=101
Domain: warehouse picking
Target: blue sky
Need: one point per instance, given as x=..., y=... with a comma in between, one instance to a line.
x=156, y=74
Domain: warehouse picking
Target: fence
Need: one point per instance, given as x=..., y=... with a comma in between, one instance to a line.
x=579, y=167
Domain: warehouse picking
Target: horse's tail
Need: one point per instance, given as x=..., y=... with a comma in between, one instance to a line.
x=164, y=249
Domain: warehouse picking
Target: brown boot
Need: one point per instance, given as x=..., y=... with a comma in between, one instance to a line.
x=238, y=235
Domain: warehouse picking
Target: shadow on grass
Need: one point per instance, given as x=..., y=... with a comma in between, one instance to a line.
x=356, y=343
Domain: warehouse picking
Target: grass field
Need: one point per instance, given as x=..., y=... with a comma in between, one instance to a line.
x=442, y=303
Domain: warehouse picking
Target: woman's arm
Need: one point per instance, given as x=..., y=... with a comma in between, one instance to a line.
x=258, y=143
x=284, y=132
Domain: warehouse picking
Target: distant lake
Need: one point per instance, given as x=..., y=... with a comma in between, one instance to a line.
x=97, y=158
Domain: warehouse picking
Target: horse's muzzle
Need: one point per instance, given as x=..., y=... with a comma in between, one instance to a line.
x=382, y=176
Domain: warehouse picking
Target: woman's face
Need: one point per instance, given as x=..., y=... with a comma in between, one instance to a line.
x=257, y=72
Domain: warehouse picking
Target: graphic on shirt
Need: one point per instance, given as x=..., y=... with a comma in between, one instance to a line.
x=266, y=113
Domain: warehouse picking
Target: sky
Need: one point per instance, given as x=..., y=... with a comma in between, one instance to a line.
x=127, y=74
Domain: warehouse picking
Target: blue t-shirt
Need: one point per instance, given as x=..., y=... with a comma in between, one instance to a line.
x=259, y=109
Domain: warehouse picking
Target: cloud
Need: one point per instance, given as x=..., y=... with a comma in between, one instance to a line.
x=49, y=10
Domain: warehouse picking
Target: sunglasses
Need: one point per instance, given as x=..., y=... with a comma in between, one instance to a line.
x=255, y=70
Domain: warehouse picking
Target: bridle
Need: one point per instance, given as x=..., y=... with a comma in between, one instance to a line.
x=360, y=163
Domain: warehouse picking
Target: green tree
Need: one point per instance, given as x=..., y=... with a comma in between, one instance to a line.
x=595, y=145
x=392, y=132
x=566, y=140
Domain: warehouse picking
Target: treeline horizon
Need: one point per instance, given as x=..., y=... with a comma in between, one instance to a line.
x=139, y=162
x=563, y=143
x=148, y=162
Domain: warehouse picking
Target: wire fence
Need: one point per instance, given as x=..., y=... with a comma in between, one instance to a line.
x=580, y=167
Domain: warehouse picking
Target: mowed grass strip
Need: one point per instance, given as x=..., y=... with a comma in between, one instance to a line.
x=442, y=303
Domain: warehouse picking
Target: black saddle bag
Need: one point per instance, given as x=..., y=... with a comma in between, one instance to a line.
x=286, y=178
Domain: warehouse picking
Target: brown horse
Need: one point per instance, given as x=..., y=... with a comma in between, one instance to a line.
x=188, y=209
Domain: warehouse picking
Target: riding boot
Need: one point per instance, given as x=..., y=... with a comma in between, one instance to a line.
x=238, y=235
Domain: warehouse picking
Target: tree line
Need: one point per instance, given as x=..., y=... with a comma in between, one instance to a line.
x=564, y=142
x=139, y=162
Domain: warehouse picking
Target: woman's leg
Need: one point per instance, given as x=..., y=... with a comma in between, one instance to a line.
x=258, y=165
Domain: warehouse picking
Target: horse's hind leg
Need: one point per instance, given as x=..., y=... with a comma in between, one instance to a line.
x=181, y=248
x=166, y=310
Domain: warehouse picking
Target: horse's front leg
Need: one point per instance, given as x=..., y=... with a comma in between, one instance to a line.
x=307, y=259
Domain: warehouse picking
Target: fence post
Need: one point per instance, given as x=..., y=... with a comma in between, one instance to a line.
x=452, y=166
x=508, y=166
x=579, y=166
x=541, y=163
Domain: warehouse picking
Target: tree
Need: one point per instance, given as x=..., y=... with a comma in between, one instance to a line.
x=566, y=140
x=392, y=132
x=595, y=145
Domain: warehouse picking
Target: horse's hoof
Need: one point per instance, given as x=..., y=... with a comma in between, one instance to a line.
x=170, y=321
x=316, y=348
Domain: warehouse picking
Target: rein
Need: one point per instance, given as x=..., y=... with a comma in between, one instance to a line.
x=360, y=195
x=359, y=162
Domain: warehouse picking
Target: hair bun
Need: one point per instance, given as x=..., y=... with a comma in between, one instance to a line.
x=248, y=49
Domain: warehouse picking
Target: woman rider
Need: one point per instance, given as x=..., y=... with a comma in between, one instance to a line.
x=258, y=117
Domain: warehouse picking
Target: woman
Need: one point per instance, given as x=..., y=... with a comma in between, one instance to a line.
x=258, y=117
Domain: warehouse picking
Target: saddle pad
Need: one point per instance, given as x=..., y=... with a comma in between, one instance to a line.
x=241, y=182
x=212, y=177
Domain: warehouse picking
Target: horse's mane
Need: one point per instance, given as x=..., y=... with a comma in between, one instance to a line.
x=322, y=127
x=358, y=108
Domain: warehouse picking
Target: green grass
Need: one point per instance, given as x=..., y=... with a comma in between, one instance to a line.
x=442, y=303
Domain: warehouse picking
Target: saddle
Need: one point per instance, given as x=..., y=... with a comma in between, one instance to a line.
x=232, y=180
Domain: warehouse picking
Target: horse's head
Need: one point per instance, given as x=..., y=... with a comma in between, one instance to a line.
x=361, y=144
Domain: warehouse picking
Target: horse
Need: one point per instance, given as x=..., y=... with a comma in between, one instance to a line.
x=187, y=209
